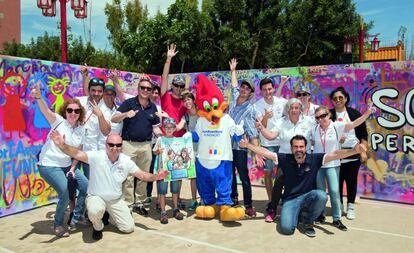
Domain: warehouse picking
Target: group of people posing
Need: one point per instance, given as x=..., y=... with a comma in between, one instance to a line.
x=111, y=151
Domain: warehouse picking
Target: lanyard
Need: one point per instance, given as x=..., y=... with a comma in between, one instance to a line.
x=324, y=137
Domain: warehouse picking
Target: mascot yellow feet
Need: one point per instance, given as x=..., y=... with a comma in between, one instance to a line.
x=228, y=213
x=206, y=212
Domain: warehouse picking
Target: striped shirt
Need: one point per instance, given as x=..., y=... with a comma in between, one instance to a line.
x=246, y=112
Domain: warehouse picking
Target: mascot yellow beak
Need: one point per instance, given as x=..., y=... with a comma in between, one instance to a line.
x=214, y=115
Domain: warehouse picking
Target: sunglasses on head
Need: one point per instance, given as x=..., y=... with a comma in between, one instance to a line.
x=300, y=94
x=182, y=86
x=70, y=110
x=97, y=81
x=145, y=88
x=340, y=98
x=322, y=116
x=111, y=145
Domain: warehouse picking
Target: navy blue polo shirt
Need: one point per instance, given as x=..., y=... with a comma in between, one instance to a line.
x=299, y=179
x=139, y=128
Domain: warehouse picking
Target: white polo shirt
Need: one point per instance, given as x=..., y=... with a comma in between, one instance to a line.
x=277, y=108
x=326, y=141
x=51, y=155
x=106, y=178
x=312, y=109
x=287, y=130
x=92, y=129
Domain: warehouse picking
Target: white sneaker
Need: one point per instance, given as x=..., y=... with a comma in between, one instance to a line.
x=350, y=212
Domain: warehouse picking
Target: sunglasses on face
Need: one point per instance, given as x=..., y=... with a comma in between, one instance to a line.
x=182, y=86
x=299, y=94
x=111, y=145
x=340, y=98
x=145, y=88
x=70, y=110
x=322, y=116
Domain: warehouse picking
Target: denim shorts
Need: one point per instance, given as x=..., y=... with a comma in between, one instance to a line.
x=269, y=164
x=162, y=187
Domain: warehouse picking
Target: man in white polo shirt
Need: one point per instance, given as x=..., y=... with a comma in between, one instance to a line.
x=108, y=169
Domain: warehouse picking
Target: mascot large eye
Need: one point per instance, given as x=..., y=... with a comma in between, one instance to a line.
x=215, y=103
x=206, y=106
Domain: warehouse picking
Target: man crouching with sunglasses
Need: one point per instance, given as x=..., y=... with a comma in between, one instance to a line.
x=108, y=169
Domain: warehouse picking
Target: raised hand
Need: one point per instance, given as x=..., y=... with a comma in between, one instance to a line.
x=371, y=107
x=360, y=148
x=84, y=70
x=35, y=92
x=57, y=138
x=268, y=113
x=233, y=64
x=171, y=51
x=95, y=109
x=259, y=124
x=113, y=75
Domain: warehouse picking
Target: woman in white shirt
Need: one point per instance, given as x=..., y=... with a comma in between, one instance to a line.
x=54, y=165
x=325, y=138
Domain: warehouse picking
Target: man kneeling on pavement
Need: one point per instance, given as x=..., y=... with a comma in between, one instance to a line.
x=300, y=170
x=108, y=169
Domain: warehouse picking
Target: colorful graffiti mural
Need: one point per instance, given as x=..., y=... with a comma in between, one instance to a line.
x=388, y=174
x=23, y=128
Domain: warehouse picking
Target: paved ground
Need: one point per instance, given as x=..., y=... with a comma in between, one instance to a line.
x=379, y=227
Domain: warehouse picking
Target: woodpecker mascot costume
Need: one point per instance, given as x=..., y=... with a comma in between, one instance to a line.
x=214, y=133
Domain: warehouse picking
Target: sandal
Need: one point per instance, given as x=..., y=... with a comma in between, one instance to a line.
x=61, y=232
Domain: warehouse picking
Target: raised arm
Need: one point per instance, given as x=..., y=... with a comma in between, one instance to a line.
x=75, y=153
x=104, y=125
x=270, y=135
x=115, y=80
x=164, y=78
x=49, y=115
x=244, y=143
x=280, y=87
x=233, y=64
x=85, y=79
x=343, y=153
x=361, y=119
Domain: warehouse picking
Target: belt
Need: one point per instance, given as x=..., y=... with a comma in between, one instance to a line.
x=136, y=140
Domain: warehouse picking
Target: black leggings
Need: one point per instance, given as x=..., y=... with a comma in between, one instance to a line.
x=349, y=174
x=277, y=191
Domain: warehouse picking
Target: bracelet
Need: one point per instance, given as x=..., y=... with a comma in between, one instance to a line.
x=168, y=61
x=38, y=98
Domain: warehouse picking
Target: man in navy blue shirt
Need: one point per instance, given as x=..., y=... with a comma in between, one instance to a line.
x=140, y=121
x=300, y=170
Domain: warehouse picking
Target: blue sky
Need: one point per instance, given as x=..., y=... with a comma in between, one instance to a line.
x=387, y=15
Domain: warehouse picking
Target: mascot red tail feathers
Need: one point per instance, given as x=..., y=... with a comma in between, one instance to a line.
x=209, y=99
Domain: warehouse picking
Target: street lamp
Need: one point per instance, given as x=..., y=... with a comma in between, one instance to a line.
x=375, y=44
x=49, y=10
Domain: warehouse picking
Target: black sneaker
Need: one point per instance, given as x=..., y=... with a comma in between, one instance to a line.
x=105, y=218
x=339, y=225
x=96, y=235
x=181, y=205
x=321, y=219
x=177, y=214
x=163, y=218
x=140, y=210
x=308, y=230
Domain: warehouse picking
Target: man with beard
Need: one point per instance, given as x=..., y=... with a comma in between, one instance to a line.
x=300, y=197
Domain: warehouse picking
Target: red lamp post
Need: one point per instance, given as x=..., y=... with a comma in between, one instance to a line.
x=49, y=10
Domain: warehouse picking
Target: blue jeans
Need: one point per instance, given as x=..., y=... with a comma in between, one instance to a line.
x=162, y=187
x=56, y=177
x=332, y=176
x=312, y=202
x=82, y=192
x=240, y=163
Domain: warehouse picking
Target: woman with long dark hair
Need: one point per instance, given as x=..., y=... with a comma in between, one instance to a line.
x=350, y=166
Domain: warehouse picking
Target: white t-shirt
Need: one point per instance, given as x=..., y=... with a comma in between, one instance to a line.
x=106, y=178
x=351, y=140
x=326, y=141
x=277, y=108
x=312, y=109
x=92, y=129
x=51, y=155
x=214, y=143
x=287, y=130
x=115, y=127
